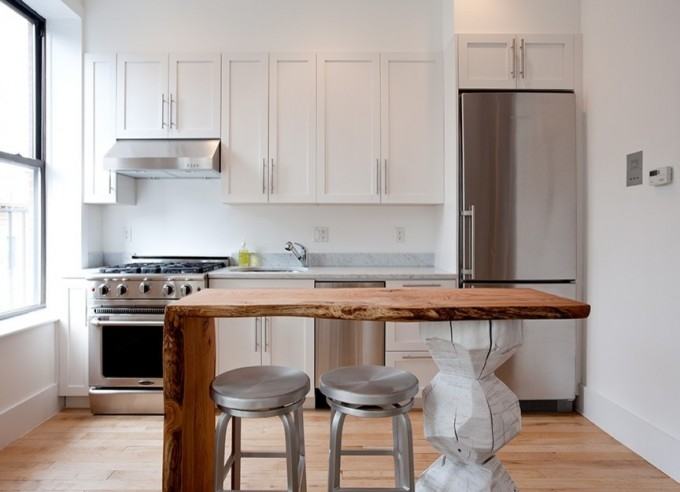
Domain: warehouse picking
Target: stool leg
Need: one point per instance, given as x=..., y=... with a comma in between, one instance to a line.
x=292, y=452
x=404, y=441
x=299, y=424
x=236, y=452
x=334, y=455
x=220, y=438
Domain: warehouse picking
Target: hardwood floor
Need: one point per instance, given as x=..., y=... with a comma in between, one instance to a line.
x=76, y=451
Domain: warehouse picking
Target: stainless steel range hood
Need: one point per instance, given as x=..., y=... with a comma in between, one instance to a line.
x=165, y=158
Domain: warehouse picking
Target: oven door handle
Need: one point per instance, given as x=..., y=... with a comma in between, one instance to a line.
x=98, y=322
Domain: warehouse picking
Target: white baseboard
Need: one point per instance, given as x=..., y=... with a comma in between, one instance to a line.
x=20, y=418
x=653, y=444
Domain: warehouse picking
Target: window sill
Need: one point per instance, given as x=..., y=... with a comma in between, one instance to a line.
x=26, y=321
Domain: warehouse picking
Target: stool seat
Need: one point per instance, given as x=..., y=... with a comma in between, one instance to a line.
x=259, y=388
x=369, y=385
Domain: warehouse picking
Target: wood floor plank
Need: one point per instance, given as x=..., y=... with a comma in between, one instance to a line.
x=78, y=452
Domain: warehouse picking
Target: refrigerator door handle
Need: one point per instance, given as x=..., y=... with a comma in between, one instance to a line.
x=471, y=270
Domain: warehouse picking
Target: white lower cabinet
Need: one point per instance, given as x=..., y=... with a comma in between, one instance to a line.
x=281, y=341
x=404, y=349
x=73, y=339
x=418, y=363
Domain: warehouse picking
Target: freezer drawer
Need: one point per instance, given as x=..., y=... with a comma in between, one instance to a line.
x=544, y=367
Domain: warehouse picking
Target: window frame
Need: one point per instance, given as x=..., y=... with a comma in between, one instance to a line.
x=37, y=163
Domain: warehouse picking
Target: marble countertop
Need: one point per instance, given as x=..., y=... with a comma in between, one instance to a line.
x=342, y=273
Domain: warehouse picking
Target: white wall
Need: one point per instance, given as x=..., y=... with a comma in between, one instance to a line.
x=174, y=217
x=28, y=380
x=631, y=83
x=519, y=16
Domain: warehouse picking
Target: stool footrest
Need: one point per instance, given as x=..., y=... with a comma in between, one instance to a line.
x=367, y=452
x=263, y=454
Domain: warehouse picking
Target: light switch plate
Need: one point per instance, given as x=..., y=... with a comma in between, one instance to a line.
x=634, y=169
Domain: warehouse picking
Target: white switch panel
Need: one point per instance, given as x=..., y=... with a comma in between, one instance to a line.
x=661, y=176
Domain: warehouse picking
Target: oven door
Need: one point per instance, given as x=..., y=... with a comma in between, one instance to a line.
x=126, y=351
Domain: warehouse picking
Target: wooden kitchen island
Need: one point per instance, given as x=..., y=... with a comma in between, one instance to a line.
x=469, y=414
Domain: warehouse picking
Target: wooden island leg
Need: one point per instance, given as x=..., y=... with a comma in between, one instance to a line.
x=469, y=413
x=189, y=426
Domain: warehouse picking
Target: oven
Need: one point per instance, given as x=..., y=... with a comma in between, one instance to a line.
x=126, y=358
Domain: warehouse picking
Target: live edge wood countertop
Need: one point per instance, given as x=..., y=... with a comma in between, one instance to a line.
x=379, y=304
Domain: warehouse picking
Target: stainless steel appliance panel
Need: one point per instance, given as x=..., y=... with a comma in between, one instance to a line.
x=518, y=195
x=341, y=343
x=544, y=367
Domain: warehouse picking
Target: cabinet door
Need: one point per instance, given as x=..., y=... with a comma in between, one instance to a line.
x=73, y=339
x=142, y=96
x=412, y=117
x=239, y=343
x=418, y=363
x=99, y=133
x=546, y=61
x=289, y=342
x=195, y=96
x=487, y=61
x=348, y=120
x=406, y=336
x=292, y=128
x=244, y=128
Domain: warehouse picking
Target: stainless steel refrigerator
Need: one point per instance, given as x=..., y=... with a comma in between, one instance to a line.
x=517, y=226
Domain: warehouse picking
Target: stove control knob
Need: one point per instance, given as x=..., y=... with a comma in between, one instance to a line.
x=103, y=290
x=168, y=290
x=185, y=290
x=144, y=287
x=121, y=289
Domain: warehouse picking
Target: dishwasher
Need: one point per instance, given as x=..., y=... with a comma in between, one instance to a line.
x=339, y=343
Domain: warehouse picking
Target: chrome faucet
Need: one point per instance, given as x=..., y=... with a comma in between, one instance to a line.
x=299, y=251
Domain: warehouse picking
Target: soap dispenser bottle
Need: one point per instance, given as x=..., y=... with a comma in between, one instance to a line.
x=243, y=255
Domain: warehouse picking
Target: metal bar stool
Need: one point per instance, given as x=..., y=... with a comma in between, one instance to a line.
x=372, y=392
x=257, y=392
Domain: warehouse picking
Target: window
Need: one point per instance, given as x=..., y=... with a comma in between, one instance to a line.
x=22, y=164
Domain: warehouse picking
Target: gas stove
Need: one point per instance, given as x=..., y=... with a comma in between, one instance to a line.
x=159, y=279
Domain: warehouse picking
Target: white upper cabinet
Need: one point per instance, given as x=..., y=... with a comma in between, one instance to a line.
x=348, y=118
x=244, y=128
x=194, y=104
x=412, y=124
x=516, y=61
x=142, y=96
x=292, y=128
x=546, y=61
x=486, y=61
x=168, y=96
x=99, y=133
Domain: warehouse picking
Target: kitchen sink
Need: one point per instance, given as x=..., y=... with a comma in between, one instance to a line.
x=269, y=269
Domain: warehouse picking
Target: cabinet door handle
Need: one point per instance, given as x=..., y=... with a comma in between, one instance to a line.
x=267, y=334
x=387, y=178
x=522, y=51
x=264, y=173
x=173, y=103
x=110, y=187
x=377, y=176
x=257, y=334
x=271, y=177
x=417, y=357
x=162, y=110
x=513, y=72
x=422, y=285
x=471, y=270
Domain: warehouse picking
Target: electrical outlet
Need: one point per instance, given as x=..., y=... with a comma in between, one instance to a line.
x=634, y=169
x=127, y=234
x=320, y=234
x=400, y=234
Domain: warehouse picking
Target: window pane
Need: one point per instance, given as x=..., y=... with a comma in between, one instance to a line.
x=17, y=83
x=19, y=237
